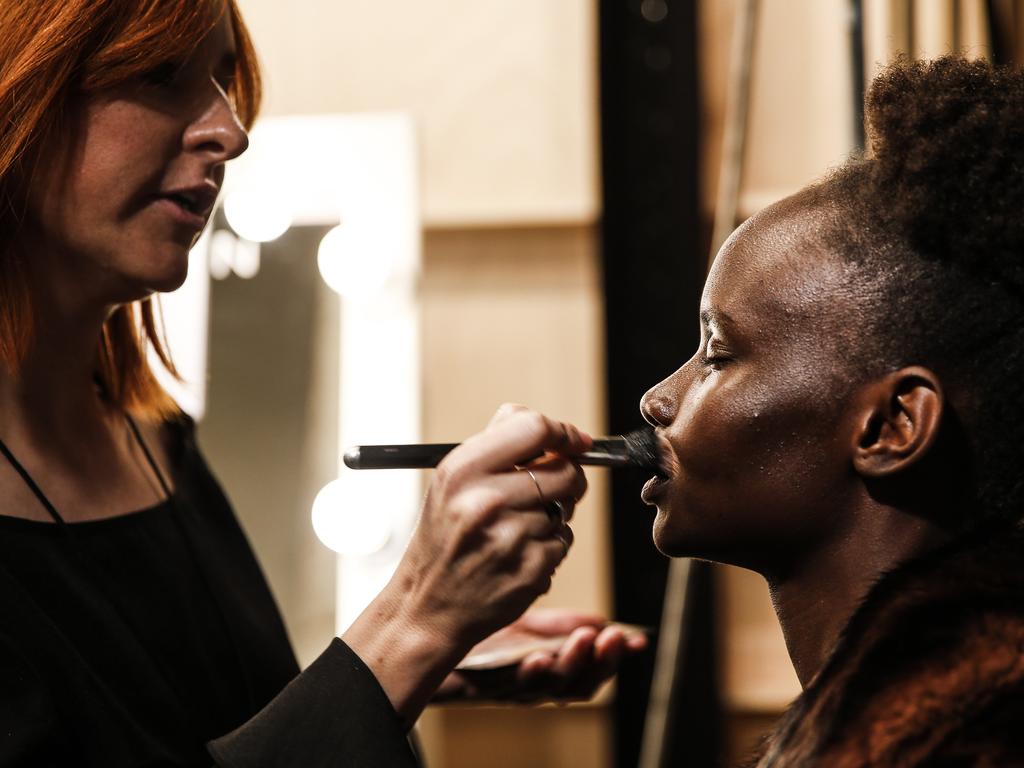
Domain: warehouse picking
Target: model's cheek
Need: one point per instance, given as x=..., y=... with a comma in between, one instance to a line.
x=718, y=423
x=745, y=442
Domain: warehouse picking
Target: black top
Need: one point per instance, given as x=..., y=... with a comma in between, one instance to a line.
x=135, y=640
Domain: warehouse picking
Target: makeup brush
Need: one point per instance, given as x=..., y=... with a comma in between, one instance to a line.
x=638, y=449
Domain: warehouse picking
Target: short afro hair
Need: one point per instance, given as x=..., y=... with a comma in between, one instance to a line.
x=933, y=217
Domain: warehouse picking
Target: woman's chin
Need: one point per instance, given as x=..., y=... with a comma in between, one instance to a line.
x=168, y=283
x=168, y=276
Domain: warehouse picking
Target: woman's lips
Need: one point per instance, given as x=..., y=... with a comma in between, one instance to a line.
x=181, y=214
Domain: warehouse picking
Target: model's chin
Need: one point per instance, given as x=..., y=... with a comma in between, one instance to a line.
x=679, y=533
x=666, y=540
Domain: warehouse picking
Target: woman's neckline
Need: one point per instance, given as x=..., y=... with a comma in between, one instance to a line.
x=95, y=524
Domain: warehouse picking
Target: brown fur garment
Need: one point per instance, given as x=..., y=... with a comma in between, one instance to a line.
x=929, y=672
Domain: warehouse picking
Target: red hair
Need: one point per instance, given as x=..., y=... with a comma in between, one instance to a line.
x=51, y=53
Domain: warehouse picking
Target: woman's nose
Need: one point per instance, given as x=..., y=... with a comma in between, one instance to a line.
x=658, y=405
x=217, y=132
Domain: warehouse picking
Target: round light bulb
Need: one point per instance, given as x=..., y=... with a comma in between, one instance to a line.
x=350, y=264
x=257, y=214
x=344, y=522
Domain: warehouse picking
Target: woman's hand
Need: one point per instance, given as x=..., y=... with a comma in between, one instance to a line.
x=485, y=547
x=588, y=655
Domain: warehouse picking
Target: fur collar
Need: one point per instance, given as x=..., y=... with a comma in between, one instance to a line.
x=929, y=671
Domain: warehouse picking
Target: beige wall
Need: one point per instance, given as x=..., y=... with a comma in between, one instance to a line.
x=800, y=113
x=503, y=91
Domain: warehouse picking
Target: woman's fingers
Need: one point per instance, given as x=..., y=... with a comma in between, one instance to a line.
x=505, y=411
x=518, y=530
x=541, y=484
x=518, y=437
x=557, y=621
x=550, y=552
x=572, y=672
x=576, y=655
x=491, y=534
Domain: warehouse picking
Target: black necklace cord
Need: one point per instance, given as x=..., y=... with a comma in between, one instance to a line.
x=32, y=485
x=164, y=486
x=45, y=501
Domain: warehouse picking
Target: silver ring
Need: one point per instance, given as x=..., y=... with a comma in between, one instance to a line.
x=540, y=493
x=556, y=511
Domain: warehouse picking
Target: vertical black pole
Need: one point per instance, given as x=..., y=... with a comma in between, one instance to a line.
x=857, y=69
x=1001, y=30
x=653, y=255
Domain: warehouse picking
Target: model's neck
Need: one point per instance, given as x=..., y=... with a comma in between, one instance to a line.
x=815, y=601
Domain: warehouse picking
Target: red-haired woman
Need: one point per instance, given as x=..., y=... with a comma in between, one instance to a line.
x=135, y=625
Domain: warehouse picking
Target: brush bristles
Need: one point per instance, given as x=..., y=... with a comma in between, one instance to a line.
x=644, y=449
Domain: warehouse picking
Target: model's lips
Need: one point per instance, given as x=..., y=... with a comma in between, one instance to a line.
x=668, y=469
x=668, y=466
x=653, y=488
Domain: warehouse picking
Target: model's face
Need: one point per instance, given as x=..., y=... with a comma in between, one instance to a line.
x=755, y=418
x=114, y=214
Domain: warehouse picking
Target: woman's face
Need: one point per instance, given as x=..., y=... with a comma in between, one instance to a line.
x=114, y=213
x=755, y=419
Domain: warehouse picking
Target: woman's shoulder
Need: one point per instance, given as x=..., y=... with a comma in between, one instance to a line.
x=180, y=433
x=171, y=439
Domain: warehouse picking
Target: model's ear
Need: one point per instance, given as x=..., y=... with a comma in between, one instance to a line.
x=897, y=421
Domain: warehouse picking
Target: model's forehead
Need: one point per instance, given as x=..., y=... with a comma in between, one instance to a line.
x=775, y=267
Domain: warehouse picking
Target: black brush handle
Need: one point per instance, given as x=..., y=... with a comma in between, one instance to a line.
x=413, y=456
x=607, y=452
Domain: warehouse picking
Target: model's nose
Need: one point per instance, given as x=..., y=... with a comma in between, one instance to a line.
x=657, y=407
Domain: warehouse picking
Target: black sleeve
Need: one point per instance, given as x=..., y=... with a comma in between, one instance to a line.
x=333, y=714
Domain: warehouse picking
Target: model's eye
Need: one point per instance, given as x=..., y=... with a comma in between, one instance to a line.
x=713, y=362
x=713, y=354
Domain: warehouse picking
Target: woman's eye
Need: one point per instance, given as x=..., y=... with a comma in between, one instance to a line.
x=226, y=81
x=162, y=75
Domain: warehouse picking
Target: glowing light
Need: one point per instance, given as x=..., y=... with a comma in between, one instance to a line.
x=256, y=213
x=247, y=259
x=231, y=254
x=347, y=518
x=222, y=254
x=183, y=322
x=359, y=170
x=350, y=264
